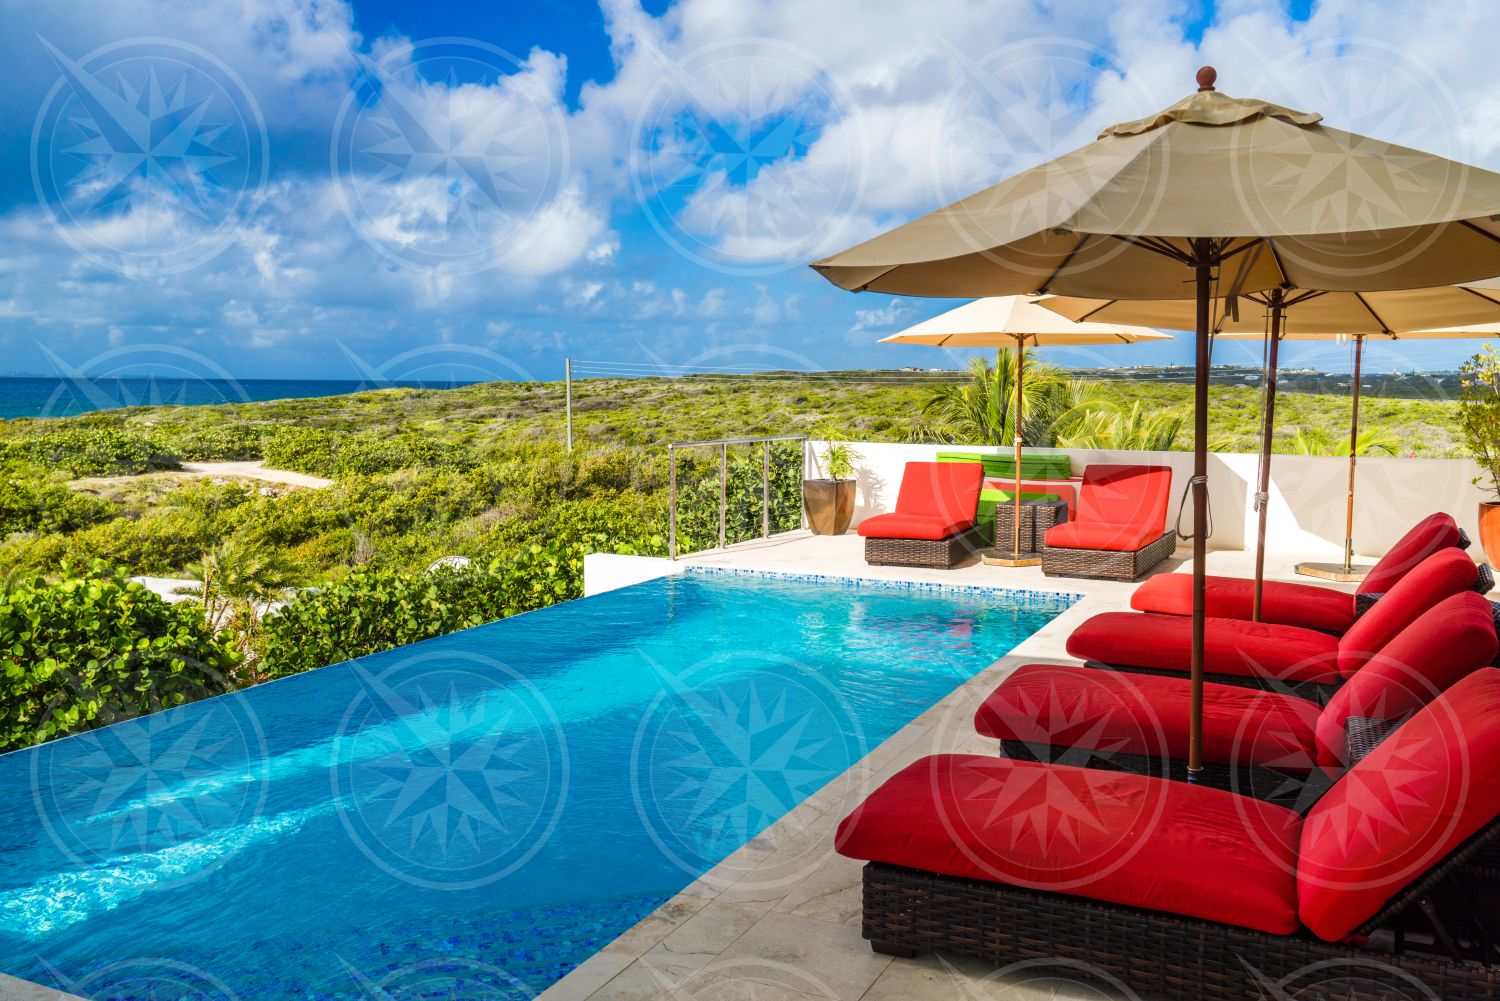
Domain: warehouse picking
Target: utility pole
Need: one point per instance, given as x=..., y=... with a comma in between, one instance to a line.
x=568, y=386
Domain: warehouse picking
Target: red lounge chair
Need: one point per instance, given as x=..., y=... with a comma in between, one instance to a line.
x=1252, y=740
x=1119, y=530
x=933, y=524
x=1187, y=892
x=1306, y=605
x=1261, y=653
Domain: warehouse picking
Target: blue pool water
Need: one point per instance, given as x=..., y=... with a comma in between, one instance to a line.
x=475, y=815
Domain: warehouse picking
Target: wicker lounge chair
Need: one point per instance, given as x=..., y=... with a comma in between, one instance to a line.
x=1119, y=530
x=1306, y=605
x=1270, y=745
x=933, y=524
x=1186, y=892
x=1265, y=654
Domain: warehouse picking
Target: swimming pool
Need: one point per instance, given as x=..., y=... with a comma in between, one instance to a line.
x=471, y=816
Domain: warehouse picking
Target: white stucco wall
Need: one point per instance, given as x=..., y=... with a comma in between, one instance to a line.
x=1306, y=514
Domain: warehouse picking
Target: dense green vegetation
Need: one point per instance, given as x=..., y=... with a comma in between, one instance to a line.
x=479, y=472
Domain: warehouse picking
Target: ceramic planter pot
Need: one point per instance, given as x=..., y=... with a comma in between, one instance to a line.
x=1489, y=530
x=829, y=505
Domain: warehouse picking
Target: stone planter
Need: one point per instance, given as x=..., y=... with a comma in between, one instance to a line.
x=829, y=505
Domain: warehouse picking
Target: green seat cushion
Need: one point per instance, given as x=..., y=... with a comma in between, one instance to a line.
x=1033, y=467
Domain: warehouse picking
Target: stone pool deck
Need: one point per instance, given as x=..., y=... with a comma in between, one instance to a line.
x=779, y=919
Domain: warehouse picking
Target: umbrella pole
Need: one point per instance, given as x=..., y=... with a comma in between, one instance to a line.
x=1203, y=269
x=1015, y=558
x=1263, y=490
x=1359, y=355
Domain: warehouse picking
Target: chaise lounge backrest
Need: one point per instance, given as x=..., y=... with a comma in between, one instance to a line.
x=1451, y=640
x=946, y=490
x=1432, y=533
x=1126, y=495
x=1425, y=790
x=1442, y=574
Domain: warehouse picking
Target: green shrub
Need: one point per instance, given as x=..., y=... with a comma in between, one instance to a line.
x=32, y=502
x=93, y=648
x=227, y=443
x=91, y=451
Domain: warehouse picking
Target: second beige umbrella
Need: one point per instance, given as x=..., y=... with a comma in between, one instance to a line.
x=1013, y=322
x=1300, y=314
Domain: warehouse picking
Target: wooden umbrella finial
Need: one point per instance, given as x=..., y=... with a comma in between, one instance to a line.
x=1206, y=77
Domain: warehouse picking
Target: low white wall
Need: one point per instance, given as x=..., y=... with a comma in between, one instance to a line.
x=608, y=571
x=1306, y=514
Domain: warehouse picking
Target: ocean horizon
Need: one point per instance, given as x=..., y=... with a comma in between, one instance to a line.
x=55, y=396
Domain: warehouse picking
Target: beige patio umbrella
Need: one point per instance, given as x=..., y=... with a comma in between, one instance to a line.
x=1013, y=322
x=1303, y=314
x=1246, y=194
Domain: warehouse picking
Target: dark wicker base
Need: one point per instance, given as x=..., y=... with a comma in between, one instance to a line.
x=1036, y=518
x=1310, y=690
x=936, y=553
x=907, y=912
x=1105, y=564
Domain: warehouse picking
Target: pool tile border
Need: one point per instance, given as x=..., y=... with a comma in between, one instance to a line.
x=1031, y=597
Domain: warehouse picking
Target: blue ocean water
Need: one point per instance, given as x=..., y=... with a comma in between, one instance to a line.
x=44, y=396
x=471, y=816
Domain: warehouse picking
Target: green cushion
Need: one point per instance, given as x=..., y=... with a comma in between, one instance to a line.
x=1006, y=496
x=1035, y=467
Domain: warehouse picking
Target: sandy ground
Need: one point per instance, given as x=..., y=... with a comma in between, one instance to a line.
x=256, y=471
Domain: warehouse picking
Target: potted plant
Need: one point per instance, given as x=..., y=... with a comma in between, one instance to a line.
x=1479, y=420
x=829, y=502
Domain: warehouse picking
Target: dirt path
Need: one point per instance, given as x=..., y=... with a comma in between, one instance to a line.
x=256, y=471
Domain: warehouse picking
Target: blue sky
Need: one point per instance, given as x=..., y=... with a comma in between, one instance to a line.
x=357, y=187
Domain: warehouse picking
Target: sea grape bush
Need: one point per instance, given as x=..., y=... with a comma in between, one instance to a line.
x=92, y=648
x=90, y=451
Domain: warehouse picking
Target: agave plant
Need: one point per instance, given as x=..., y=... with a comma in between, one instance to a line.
x=1116, y=427
x=981, y=410
x=1371, y=440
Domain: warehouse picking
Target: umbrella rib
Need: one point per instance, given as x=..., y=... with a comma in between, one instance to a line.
x=1067, y=259
x=1096, y=310
x=1221, y=255
x=1167, y=251
x=1474, y=291
x=1276, y=259
x=1370, y=309
x=1480, y=230
x=1302, y=296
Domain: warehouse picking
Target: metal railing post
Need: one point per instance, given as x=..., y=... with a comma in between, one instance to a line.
x=568, y=384
x=765, y=491
x=672, y=505
x=723, y=491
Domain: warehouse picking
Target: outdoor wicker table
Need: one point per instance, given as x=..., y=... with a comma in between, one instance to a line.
x=1036, y=517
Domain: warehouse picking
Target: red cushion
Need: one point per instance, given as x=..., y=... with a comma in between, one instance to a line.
x=909, y=526
x=946, y=490
x=1126, y=495
x=1305, y=605
x=1244, y=649
x=1114, y=712
x=1428, y=787
x=1449, y=641
x=1444, y=573
x=1126, y=839
x=1434, y=532
x=1099, y=535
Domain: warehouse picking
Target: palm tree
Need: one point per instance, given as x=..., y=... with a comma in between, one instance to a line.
x=1118, y=428
x=980, y=411
x=236, y=580
x=1307, y=441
